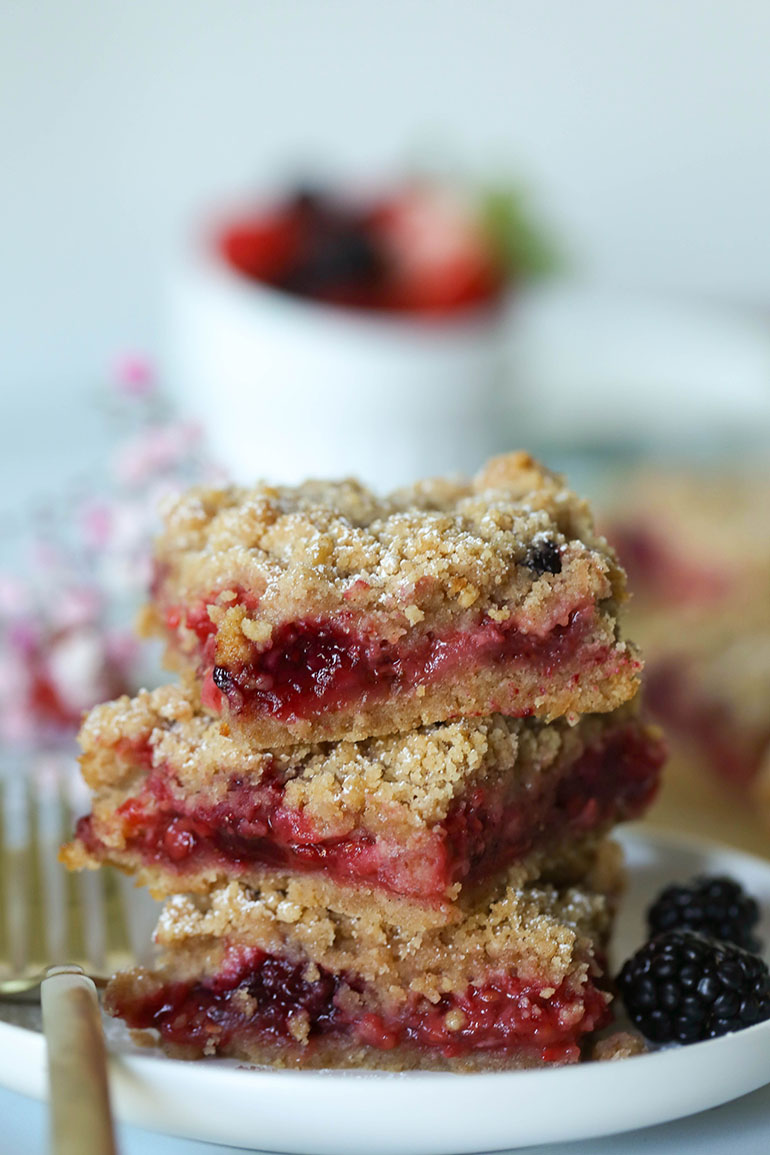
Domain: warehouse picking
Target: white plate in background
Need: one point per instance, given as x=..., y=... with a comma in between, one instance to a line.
x=592, y=367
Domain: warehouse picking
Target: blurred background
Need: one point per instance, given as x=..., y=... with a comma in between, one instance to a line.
x=633, y=142
x=641, y=130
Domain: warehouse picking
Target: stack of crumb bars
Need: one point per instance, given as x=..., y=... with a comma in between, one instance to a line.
x=377, y=800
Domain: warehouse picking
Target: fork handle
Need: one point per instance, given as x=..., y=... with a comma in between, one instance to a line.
x=81, y=1120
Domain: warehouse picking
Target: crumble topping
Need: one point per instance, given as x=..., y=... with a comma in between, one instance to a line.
x=437, y=543
x=407, y=780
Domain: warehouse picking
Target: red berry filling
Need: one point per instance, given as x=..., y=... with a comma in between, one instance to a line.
x=483, y=832
x=312, y=667
x=609, y=783
x=258, y=1002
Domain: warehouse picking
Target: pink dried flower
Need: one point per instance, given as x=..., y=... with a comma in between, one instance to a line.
x=76, y=606
x=48, y=557
x=14, y=596
x=160, y=449
x=23, y=636
x=96, y=521
x=121, y=649
x=134, y=375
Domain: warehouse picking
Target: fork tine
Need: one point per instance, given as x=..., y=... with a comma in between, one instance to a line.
x=76, y=923
x=88, y=894
x=91, y=895
x=16, y=876
x=36, y=913
x=118, y=941
x=54, y=906
x=96, y=920
x=141, y=913
x=5, y=948
x=106, y=902
x=5, y=913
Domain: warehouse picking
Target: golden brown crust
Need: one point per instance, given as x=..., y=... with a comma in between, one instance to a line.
x=619, y=1045
x=328, y=1053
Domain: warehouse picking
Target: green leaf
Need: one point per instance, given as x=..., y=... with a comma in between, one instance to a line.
x=522, y=245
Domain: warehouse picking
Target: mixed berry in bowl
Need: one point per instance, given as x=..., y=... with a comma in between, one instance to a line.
x=420, y=250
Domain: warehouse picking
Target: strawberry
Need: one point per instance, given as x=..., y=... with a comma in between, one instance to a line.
x=440, y=258
x=262, y=247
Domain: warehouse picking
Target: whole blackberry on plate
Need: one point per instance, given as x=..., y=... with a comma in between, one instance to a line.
x=682, y=987
x=715, y=906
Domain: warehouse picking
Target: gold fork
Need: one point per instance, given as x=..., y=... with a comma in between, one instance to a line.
x=61, y=936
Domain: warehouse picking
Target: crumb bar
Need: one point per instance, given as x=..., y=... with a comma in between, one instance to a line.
x=694, y=542
x=262, y=976
x=715, y=701
x=324, y=612
x=697, y=549
x=183, y=804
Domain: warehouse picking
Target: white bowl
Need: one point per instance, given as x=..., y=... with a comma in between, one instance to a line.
x=288, y=388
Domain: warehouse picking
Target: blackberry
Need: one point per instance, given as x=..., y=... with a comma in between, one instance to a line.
x=335, y=258
x=544, y=557
x=682, y=987
x=223, y=679
x=715, y=906
x=308, y=201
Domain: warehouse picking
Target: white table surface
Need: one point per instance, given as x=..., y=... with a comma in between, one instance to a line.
x=739, y=1128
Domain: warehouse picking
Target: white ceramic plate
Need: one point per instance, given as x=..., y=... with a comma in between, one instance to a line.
x=336, y=1113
